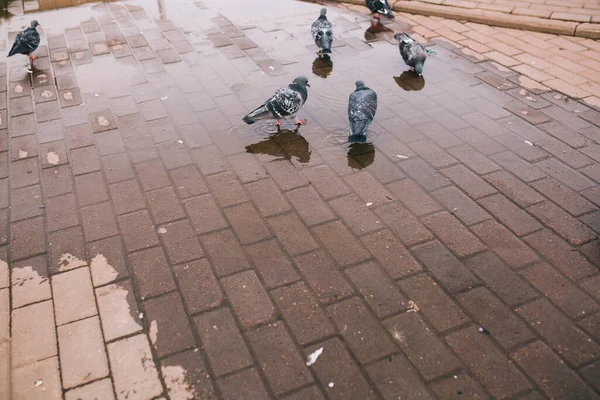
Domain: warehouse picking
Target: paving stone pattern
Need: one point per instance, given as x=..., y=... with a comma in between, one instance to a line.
x=152, y=246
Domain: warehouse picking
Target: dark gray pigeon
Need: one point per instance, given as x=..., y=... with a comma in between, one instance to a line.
x=322, y=33
x=413, y=53
x=380, y=8
x=362, y=107
x=26, y=42
x=285, y=103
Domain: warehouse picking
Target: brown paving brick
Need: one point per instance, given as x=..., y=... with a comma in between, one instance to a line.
x=180, y=242
x=226, y=188
x=225, y=252
x=487, y=363
x=46, y=371
x=79, y=136
x=494, y=316
x=560, y=291
x=431, y=153
x=479, y=141
x=565, y=153
x=33, y=334
x=395, y=377
x=169, y=328
x=414, y=197
x=591, y=374
x=564, y=134
x=137, y=230
x=117, y=168
x=441, y=311
x=30, y=282
x=102, y=388
x=341, y=244
x=514, y=188
x=592, y=285
x=453, y=234
x=521, y=148
x=278, y=358
x=188, y=181
x=82, y=355
x=164, y=205
x=292, y=234
x=194, y=381
x=309, y=205
x=324, y=278
x=118, y=310
x=198, y=285
x=22, y=125
x=205, y=214
x=174, y=154
x=568, y=227
x=4, y=235
x=458, y=385
x=27, y=238
x=274, y=267
x=325, y=181
x=335, y=365
x=549, y=372
x=421, y=172
x=461, y=206
x=311, y=393
x=61, y=212
x=152, y=272
x=90, y=188
x=126, y=196
x=474, y=186
x=249, y=300
x=84, y=160
x=566, y=339
x=26, y=202
x=152, y=175
x=566, y=175
x=22, y=147
x=377, y=289
x=247, y=224
x=247, y=168
x=67, y=249
x=403, y=224
x=209, y=159
x=23, y=173
x=559, y=253
x=510, y=215
x=355, y=214
x=519, y=167
x=368, y=188
x=56, y=181
x=267, y=198
x=285, y=174
x=474, y=160
x=224, y=345
x=247, y=382
x=109, y=143
x=73, y=296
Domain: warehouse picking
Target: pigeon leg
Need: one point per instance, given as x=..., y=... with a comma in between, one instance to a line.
x=300, y=122
x=31, y=57
x=278, y=123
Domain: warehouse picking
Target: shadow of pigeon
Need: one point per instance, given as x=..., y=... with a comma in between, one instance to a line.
x=410, y=81
x=322, y=66
x=360, y=155
x=284, y=144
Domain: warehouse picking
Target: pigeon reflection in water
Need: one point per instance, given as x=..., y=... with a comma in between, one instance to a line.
x=360, y=155
x=322, y=66
x=410, y=81
x=284, y=144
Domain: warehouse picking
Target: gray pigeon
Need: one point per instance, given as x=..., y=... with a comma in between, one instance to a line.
x=380, y=8
x=413, y=53
x=322, y=33
x=26, y=42
x=285, y=103
x=362, y=107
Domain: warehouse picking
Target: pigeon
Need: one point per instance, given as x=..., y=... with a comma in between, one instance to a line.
x=26, y=42
x=380, y=8
x=285, y=103
x=413, y=53
x=362, y=107
x=322, y=33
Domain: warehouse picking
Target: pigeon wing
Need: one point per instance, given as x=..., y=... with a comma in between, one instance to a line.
x=285, y=102
x=26, y=42
x=362, y=105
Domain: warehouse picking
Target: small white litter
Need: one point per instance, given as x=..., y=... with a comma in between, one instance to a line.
x=331, y=384
x=162, y=230
x=312, y=357
x=529, y=143
x=401, y=156
x=369, y=204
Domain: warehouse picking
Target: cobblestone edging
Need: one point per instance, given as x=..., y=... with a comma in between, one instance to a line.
x=451, y=9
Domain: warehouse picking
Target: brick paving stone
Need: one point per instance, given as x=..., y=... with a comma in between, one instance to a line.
x=274, y=267
x=209, y=160
x=102, y=389
x=133, y=371
x=23, y=147
x=27, y=238
x=549, y=372
x=487, y=363
x=323, y=277
x=285, y=174
x=250, y=302
x=403, y=224
x=432, y=154
x=152, y=273
x=126, y=197
x=325, y=181
x=568, y=227
x=474, y=186
x=500, y=279
x=453, y=234
x=495, y=317
x=117, y=168
x=169, y=328
x=590, y=374
x=138, y=230
x=311, y=392
x=309, y=205
x=292, y=234
x=499, y=239
x=247, y=224
x=395, y=377
x=461, y=206
x=82, y=355
x=247, y=167
x=67, y=250
x=222, y=341
x=225, y=253
x=520, y=168
x=510, y=215
x=188, y=181
x=476, y=161
x=515, y=189
x=79, y=136
x=592, y=285
x=26, y=203
x=247, y=382
x=267, y=198
x=457, y=386
x=152, y=175
x=559, y=253
x=61, y=212
x=344, y=248
x=45, y=371
x=24, y=173
x=164, y=205
x=56, y=181
x=90, y=188
x=566, y=175
x=180, y=242
x=413, y=336
x=414, y=197
x=278, y=358
x=185, y=374
x=198, y=286
x=118, y=310
x=355, y=214
x=33, y=334
x=521, y=148
x=204, y=214
x=73, y=296
x=424, y=174
x=368, y=188
x=336, y=366
x=226, y=188
x=30, y=282
x=109, y=143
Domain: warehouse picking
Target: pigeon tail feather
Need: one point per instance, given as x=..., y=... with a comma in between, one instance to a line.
x=358, y=127
x=260, y=113
x=357, y=138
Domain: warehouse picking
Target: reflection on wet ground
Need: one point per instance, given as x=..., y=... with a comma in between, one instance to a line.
x=360, y=155
x=410, y=81
x=322, y=66
x=285, y=144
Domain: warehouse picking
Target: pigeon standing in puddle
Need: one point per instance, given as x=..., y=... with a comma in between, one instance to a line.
x=412, y=52
x=380, y=8
x=26, y=42
x=284, y=104
x=322, y=33
x=362, y=107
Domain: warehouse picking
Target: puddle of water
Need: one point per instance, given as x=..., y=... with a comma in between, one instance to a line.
x=410, y=81
x=322, y=66
x=284, y=144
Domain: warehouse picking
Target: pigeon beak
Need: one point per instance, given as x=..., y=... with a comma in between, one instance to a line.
x=307, y=85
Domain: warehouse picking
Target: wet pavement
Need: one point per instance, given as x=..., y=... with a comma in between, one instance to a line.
x=152, y=245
